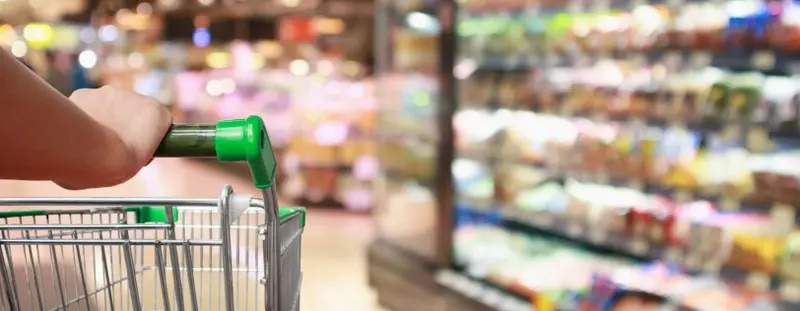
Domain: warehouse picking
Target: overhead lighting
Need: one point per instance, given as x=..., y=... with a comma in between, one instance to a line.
x=325, y=67
x=38, y=33
x=87, y=59
x=201, y=37
x=19, y=48
x=88, y=35
x=291, y=3
x=169, y=4
x=299, y=67
x=218, y=60
x=422, y=22
x=7, y=35
x=123, y=14
x=136, y=60
x=144, y=9
x=108, y=33
x=205, y=2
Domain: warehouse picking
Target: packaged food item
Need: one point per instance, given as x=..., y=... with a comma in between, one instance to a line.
x=537, y=138
x=714, y=298
x=513, y=179
x=647, y=23
x=743, y=102
x=685, y=217
x=788, y=37
x=775, y=177
x=473, y=139
x=474, y=183
x=550, y=197
x=781, y=98
x=477, y=90
x=756, y=246
x=717, y=102
x=790, y=258
x=724, y=168
x=676, y=160
x=708, y=241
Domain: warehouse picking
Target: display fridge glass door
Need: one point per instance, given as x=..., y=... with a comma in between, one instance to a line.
x=407, y=39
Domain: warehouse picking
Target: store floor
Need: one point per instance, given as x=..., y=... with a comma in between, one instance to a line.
x=334, y=243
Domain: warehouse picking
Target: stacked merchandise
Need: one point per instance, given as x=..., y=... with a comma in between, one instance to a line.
x=666, y=131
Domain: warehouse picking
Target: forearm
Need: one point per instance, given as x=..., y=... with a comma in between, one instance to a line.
x=44, y=136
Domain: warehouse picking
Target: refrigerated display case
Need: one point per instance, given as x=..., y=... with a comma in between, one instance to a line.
x=604, y=136
x=415, y=90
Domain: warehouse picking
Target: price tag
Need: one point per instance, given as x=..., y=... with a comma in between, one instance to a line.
x=682, y=196
x=758, y=281
x=727, y=203
x=790, y=291
x=700, y=59
x=574, y=230
x=639, y=246
x=764, y=60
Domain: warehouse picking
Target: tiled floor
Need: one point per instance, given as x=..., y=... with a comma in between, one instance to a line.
x=334, y=243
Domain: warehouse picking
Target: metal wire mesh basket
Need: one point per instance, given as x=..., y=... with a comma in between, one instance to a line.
x=233, y=252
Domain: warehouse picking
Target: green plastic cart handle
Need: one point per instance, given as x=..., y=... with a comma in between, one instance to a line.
x=228, y=140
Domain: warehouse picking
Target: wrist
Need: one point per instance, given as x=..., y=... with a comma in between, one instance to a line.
x=105, y=162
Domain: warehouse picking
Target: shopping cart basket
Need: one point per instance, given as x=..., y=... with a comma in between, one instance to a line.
x=233, y=252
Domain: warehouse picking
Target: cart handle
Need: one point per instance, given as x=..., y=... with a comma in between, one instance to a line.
x=230, y=141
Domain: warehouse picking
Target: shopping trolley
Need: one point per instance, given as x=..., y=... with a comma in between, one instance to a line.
x=233, y=252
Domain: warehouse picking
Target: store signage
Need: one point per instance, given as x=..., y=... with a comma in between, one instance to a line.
x=297, y=29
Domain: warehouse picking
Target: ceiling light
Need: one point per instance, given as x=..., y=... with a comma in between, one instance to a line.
x=19, y=48
x=108, y=33
x=87, y=59
x=291, y=3
x=144, y=8
x=299, y=67
x=136, y=60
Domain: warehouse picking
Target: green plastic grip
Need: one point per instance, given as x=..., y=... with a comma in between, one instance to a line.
x=152, y=214
x=188, y=140
x=230, y=140
x=247, y=140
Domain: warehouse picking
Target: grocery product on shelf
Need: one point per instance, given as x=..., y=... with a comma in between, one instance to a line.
x=665, y=130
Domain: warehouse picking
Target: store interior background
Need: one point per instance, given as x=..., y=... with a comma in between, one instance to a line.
x=478, y=155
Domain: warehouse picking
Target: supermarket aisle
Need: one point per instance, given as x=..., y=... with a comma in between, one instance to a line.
x=334, y=243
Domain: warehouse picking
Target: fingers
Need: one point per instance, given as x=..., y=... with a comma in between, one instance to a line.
x=136, y=124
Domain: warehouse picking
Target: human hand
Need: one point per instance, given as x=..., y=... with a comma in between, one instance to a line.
x=133, y=125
